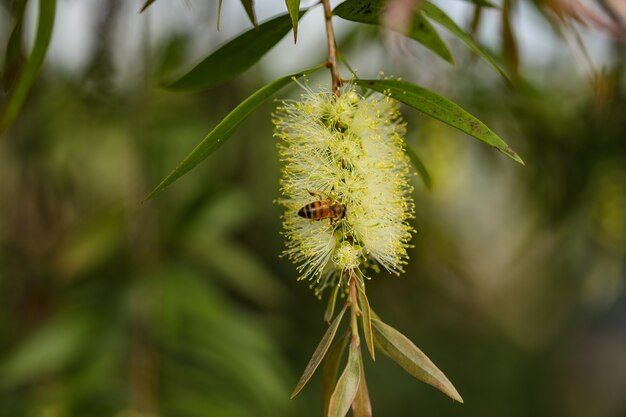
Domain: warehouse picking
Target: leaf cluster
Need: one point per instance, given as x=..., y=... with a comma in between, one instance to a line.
x=242, y=52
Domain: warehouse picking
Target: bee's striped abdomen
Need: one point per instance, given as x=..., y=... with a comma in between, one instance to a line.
x=316, y=210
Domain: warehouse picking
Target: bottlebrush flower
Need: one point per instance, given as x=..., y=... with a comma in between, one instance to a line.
x=344, y=162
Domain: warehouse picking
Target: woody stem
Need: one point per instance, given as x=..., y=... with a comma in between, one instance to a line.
x=332, y=49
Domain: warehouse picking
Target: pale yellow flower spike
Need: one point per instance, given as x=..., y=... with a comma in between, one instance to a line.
x=344, y=153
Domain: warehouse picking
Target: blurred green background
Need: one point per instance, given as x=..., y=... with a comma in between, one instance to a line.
x=181, y=306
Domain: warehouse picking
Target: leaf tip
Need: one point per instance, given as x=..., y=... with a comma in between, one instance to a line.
x=454, y=394
x=513, y=155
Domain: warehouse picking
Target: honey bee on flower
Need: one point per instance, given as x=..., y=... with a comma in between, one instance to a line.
x=349, y=149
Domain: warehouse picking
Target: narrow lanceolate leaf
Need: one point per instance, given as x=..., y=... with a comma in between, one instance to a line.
x=146, y=5
x=419, y=167
x=366, y=320
x=330, y=308
x=509, y=44
x=440, y=108
x=249, y=6
x=13, y=59
x=26, y=78
x=361, y=406
x=319, y=353
x=371, y=12
x=235, y=57
x=439, y=16
x=293, y=6
x=347, y=385
x=226, y=128
x=395, y=345
x=331, y=369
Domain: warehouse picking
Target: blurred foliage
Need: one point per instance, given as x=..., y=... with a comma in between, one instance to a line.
x=181, y=306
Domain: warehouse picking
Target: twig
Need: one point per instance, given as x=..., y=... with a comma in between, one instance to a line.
x=332, y=49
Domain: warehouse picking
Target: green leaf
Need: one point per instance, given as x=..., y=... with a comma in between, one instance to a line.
x=440, y=108
x=249, y=6
x=366, y=320
x=319, y=353
x=13, y=59
x=235, y=57
x=331, y=369
x=146, y=5
x=226, y=128
x=439, y=16
x=510, y=51
x=330, y=308
x=26, y=79
x=347, y=385
x=419, y=167
x=395, y=345
x=361, y=406
x=293, y=6
x=371, y=11
x=47, y=350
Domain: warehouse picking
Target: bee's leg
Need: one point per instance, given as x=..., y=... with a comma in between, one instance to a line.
x=314, y=194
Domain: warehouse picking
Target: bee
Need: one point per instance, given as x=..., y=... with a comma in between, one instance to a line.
x=324, y=208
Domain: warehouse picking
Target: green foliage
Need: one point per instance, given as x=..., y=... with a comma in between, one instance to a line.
x=184, y=313
x=440, y=108
x=361, y=406
x=330, y=370
x=26, y=78
x=248, y=5
x=319, y=353
x=347, y=385
x=371, y=12
x=226, y=128
x=439, y=16
x=419, y=167
x=395, y=345
x=293, y=6
x=366, y=321
x=234, y=57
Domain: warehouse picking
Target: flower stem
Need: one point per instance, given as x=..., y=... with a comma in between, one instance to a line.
x=332, y=49
x=354, y=310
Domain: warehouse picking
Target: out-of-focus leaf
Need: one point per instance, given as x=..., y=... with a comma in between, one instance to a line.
x=147, y=4
x=86, y=248
x=399, y=348
x=347, y=385
x=243, y=272
x=319, y=353
x=235, y=57
x=509, y=44
x=226, y=128
x=361, y=406
x=13, y=55
x=440, y=108
x=330, y=308
x=371, y=11
x=26, y=78
x=439, y=16
x=331, y=369
x=249, y=6
x=419, y=167
x=293, y=6
x=47, y=350
x=366, y=320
